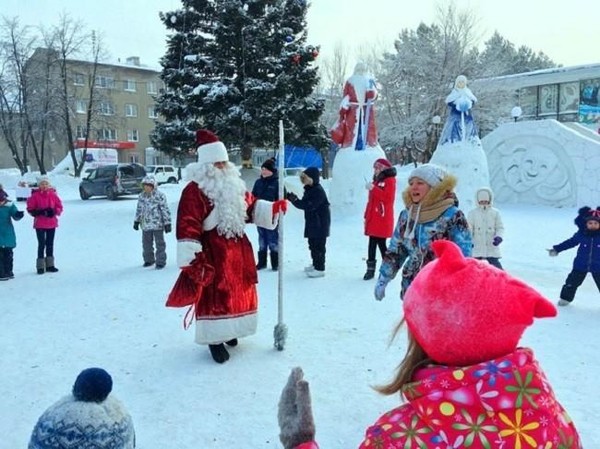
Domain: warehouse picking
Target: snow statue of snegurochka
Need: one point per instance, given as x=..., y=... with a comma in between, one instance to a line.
x=459, y=147
x=355, y=133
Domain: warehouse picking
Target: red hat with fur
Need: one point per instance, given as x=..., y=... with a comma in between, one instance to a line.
x=463, y=311
x=210, y=148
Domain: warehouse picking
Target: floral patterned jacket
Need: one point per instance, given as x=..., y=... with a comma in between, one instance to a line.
x=506, y=403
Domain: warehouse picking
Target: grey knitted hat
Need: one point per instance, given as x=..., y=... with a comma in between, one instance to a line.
x=430, y=173
x=86, y=419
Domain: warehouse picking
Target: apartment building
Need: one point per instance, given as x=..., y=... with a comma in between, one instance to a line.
x=116, y=101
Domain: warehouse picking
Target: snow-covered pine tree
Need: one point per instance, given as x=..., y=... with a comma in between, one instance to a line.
x=237, y=67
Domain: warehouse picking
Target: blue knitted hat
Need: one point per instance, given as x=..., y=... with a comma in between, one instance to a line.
x=88, y=418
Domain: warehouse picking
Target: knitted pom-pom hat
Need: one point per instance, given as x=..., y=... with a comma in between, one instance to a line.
x=463, y=311
x=210, y=149
x=88, y=418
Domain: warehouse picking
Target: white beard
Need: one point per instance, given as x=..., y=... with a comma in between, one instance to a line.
x=227, y=193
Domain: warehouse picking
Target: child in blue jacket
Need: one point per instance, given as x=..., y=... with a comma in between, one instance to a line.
x=587, y=259
x=8, y=239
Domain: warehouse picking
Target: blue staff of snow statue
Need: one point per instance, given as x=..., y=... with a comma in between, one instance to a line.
x=355, y=133
x=459, y=148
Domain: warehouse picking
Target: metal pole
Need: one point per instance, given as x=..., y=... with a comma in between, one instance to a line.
x=280, y=331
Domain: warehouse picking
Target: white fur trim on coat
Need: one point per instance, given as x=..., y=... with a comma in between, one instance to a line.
x=263, y=215
x=186, y=252
x=210, y=153
x=220, y=329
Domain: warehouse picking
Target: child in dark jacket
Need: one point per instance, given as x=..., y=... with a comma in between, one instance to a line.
x=267, y=188
x=317, y=219
x=587, y=259
x=8, y=239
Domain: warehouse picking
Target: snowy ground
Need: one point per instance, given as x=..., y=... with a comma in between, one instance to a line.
x=104, y=309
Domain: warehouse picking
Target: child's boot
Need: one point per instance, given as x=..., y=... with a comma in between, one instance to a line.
x=40, y=264
x=274, y=260
x=50, y=265
x=262, y=260
x=370, y=274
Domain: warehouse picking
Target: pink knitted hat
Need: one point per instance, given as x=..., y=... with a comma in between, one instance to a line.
x=463, y=311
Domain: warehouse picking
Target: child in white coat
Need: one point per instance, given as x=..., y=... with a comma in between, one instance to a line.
x=486, y=228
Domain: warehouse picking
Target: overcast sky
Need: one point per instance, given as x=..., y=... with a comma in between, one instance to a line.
x=565, y=31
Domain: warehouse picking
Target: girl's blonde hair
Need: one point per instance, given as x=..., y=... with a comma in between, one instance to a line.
x=414, y=358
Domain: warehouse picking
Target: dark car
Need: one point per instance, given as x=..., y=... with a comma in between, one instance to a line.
x=113, y=181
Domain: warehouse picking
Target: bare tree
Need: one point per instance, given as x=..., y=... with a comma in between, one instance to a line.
x=77, y=53
x=334, y=70
x=416, y=78
x=16, y=46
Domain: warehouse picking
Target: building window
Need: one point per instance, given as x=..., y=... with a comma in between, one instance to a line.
x=129, y=85
x=569, y=98
x=132, y=135
x=548, y=100
x=105, y=82
x=589, y=102
x=131, y=110
x=151, y=87
x=107, y=134
x=80, y=132
x=80, y=106
x=106, y=108
x=152, y=112
x=79, y=79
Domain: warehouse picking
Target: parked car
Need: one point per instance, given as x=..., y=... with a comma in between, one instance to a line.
x=113, y=181
x=163, y=173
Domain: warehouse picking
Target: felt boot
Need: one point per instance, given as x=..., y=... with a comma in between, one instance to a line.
x=274, y=260
x=262, y=260
x=40, y=265
x=50, y=265
x=219, y=353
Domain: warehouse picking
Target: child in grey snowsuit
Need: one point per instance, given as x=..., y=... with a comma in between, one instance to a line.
x=154, y=217
x=8, y=239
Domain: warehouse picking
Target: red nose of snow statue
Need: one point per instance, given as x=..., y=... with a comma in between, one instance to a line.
x=465, y=311
x=210, y=149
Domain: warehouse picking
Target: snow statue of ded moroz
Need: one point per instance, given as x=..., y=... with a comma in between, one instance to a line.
x=459, y=148
x=355, y=132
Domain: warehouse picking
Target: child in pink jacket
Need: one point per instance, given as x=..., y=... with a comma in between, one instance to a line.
x=45, y=206
x=465, y=381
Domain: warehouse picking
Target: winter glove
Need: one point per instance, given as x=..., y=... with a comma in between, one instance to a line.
x=296, y=423
x=19, y=215
x=199, y=271
x=48, y=212
x=552, y=252
x=380, y=286
x=497, y=240
x=136, y=225
x=36, y=212
x=279, y=206
x=291, y=196
x=168, y=228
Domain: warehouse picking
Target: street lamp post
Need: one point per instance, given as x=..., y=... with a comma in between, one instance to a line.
x=436, y=120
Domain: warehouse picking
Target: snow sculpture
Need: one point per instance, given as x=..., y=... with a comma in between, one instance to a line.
x=355, y=132
x=459, y=149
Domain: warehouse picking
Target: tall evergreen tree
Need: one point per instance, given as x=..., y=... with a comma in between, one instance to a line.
x=237, y=67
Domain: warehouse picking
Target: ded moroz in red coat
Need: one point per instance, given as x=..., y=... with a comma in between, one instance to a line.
x=357, y=107
x=227, y=307
x=379, y=212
